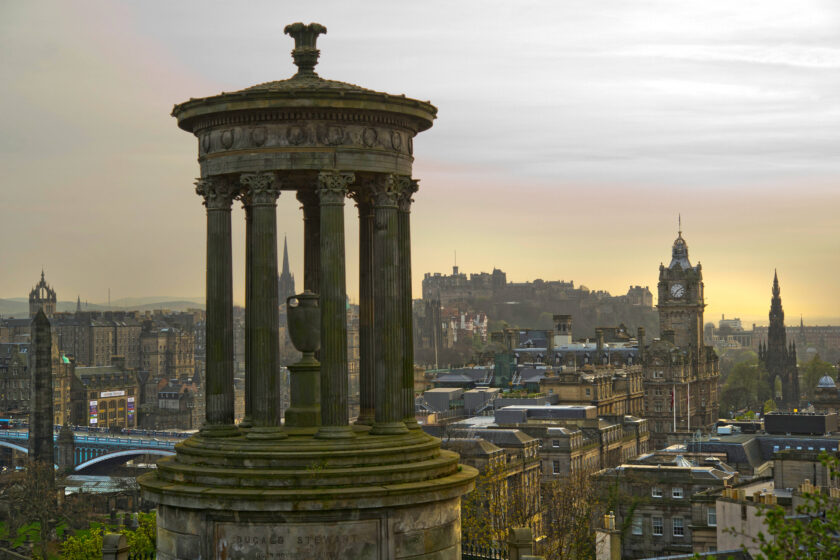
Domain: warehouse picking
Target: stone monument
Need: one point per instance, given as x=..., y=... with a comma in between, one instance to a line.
x=41, y=443
x=315, y=486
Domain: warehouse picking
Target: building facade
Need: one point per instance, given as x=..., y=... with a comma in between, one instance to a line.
x=681, y=373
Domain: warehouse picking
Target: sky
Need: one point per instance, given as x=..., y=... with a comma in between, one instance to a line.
x=570, y=136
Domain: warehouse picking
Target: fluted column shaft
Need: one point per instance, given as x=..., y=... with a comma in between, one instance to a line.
x=247, y=422
x=388, y=362
x=409, y=187
x=260, y=192
x=218, y=194
x=367, y=380
x=332, y=189
x=311, y=240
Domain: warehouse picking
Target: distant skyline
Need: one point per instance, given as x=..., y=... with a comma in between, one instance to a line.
x=569, y=137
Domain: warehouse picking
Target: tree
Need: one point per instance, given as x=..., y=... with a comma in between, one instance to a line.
x=747, y=386
x=769, y=406
x=33, y=500
x=88, y=543
x=812, y=371
x=498, y=503
x=571, y=507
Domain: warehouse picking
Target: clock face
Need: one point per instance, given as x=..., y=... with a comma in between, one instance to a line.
x=677, y=290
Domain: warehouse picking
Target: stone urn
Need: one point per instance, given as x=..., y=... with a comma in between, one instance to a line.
x=303, y=313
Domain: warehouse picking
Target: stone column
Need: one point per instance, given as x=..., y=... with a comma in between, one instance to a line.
x=311, y=240
x=332, y=188
x=41, y=392
x=261, y=195
x=247, y=422
x=218, y=194
x=388, y=362
x=408, y=188
x=367, y=381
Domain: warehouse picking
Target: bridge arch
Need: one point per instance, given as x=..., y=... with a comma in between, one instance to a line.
x=14, y=446
x=122, y=456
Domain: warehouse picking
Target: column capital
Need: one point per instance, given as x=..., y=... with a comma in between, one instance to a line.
x=218, y=192
x=385, y=190
x=362, y=197
x=408, y=186
x=262, y=188
x=332, y=186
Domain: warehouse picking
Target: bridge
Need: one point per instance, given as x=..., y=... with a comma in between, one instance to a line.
x=97, y=451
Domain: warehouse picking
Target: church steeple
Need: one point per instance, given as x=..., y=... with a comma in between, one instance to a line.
x=286, y=280
x=779, y=357
x=285, y=269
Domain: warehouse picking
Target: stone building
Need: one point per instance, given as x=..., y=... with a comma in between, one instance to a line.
x=681, y=373
x=777, y=356
x=509, y=461
x=43, y=297
x=655, y=492
x=570, y=438
x=14, y=379
x=105, y=396
x=15, y=382
x=826, y=395
x=612, y=390
x=167, y=352
x=177, y=406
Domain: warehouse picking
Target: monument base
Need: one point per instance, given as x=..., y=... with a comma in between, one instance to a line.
x=372, y=497
x=431, y=530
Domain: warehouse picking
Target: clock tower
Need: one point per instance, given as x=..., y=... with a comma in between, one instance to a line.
x=681, y=373
x=680, y=300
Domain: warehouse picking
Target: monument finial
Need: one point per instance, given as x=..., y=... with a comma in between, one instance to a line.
x=305, y=53
x=679, y=224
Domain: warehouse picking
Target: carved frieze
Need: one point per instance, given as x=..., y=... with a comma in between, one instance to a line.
x=319, y=134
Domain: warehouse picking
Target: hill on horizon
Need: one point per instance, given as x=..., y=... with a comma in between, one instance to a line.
x=19, y=307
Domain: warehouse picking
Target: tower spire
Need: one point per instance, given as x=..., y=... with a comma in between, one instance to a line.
x=285, y=256
x=679, y=224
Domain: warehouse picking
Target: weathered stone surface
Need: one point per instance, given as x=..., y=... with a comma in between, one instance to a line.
x=331, y=490
x=350, y=540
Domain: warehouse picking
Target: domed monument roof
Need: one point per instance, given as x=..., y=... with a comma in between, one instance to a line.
x=826, y=382
x=306, y=89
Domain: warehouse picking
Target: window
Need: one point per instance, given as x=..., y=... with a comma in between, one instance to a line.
x=637, y=526
x=711, y=516
x=657, y=525
x=588, y=392
x=555, y=465
x=677, y=492
x=679, y=529
x=555, y=443
x=656, y=492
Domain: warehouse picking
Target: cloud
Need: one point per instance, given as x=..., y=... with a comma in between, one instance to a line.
x=797, y=56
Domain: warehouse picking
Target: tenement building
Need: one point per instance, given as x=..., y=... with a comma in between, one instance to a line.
x=315, y=485
x=777, y=357
x=653, y=494
x=681, y=373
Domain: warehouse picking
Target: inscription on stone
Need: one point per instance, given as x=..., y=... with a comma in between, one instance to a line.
x=344, y=540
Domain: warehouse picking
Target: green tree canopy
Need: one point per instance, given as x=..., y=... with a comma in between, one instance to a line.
x=812, y=371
